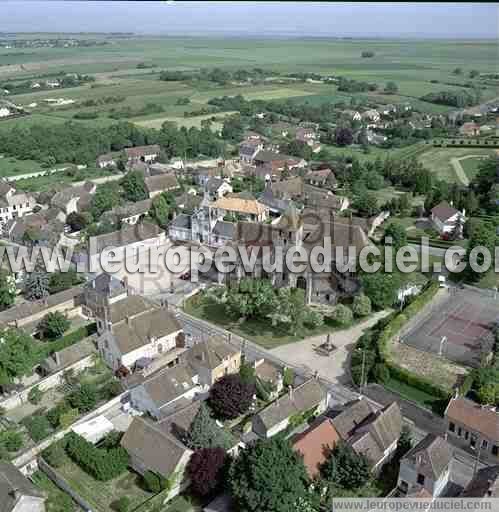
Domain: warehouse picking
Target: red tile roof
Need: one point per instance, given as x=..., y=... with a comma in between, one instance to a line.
x=315, y=443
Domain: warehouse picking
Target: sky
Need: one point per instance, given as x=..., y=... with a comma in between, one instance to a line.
x=425, y=20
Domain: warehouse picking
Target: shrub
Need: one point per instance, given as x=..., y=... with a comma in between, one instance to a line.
x=361, y=305
x=11, y=440
x=68, y=418
x=123, y=504
x=38, y=427
x=101, y=464
x=35, y=395
x=84, y=398
x=230, y=396
x=342, y=315
x=53, y=325
x=313, y=319
x=54, y=415
x=54, y=455
x=153, y=482
x=288, y=377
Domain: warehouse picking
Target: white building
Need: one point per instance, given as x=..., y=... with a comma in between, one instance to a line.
x=426, y=466
x=446, y=219
x=12, y=204
x=143, y=335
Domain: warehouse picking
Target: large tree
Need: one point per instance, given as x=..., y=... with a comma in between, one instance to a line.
x=206, y=469
x=162, y=208
x=7, y=290
x=134, y=187
x=395, y=231
x=36, y=283
x=53, y=325
x=106, y=197
x=343, y=136
x=484, y=235
x=268, y=476
x=230, y=396
x=346, y=468
x=381, y=288
x=205, y=433
x=18, y=354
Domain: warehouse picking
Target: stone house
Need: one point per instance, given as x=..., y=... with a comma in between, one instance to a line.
x=474, y=427
x=471, y=129
x=142, y=153
x=212, y=359
x=248, y=151
x=106, y=160
x=130, y=213
x=371, y=432
x=28, y=314
x=17, y=493
x=485, y=484
x=309, y=396
x=216, y=188
x=166, y=391
x=152, y=448
x=161, y=183
x=426, y=466
x=142, y=336
x=99, y=293
x=321, y=178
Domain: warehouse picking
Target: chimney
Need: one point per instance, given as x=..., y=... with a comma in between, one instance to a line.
x=128, y=319
x=290, y=388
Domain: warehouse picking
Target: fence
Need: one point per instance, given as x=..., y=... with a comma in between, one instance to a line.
x=63, y=485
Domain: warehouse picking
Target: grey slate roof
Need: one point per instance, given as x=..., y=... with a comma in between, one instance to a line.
x=26, y=309
x=210, y=353
x=11, y=479
x=306, y=396
x=137, y=331
x=352, y=417
x=181, y=221
x=161, y=182
x=128, y=307
x=431, y=456
x=107, y=284
x=169, y=384
x=154, y=448
x=213, y=184
x=69, y=355
x=443, y=211
x=131, y=209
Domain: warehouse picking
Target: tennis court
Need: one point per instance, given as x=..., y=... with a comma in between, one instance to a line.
x=459, y=329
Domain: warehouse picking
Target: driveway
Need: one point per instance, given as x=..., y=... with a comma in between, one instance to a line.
x=334, y=367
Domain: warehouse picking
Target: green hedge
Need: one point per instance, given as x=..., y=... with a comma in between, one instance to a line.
x=73, y=337
x=376, y=344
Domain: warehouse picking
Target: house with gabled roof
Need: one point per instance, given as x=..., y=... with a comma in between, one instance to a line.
x=139, y=335
x=371, y=432
x=212, y=359
x=446, y=218
x=473, y=426
x=152, y=448
x=426, y=466
x=166, y=391
x=160, y=183
x=17, y=493
x=309, y=396
x=485, y=484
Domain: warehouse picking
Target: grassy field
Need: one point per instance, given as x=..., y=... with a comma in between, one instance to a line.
x=12, y=166
x=413, y=65
x=438, y=160
x=188, y=122
x=471, y=164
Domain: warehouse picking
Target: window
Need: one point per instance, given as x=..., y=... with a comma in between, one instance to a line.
x=466, y=435
x=495, y=450
x=485, y=444
x=452, y=427
x=473, y=441
x=459, y=431
x=420, y=479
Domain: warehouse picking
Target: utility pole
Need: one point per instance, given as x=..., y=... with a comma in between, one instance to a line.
x=477, y=460
x=442, y=341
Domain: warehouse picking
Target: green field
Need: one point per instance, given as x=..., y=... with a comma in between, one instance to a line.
x=413, y=65
x=12, y=166
x=439, y=161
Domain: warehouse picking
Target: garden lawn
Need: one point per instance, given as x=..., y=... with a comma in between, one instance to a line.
x=54, y=495
x=415, y=395
x=102, y=495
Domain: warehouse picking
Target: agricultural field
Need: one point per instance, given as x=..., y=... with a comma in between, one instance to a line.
x=12, y=166
x=188, y=122
x=455, y=165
